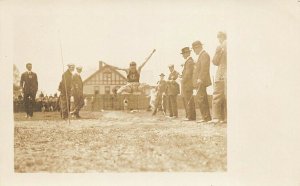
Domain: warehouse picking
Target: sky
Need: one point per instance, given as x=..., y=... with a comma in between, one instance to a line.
x=115, y=33
x=118, y=32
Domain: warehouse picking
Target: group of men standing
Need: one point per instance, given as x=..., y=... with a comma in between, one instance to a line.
x=71, y=85
x=195, y=79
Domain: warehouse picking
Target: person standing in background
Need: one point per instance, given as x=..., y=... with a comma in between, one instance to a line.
x=161, y=95
x=77, y=92
x=29, y=87
x=219, y=105
x=65, y=87
x=173, y=89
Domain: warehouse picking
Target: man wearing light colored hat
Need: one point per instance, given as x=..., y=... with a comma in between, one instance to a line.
x=161, y=95
x=187, y=84
x=77, y=92
x=65, y=87
x=219, y=106
x=201, y=80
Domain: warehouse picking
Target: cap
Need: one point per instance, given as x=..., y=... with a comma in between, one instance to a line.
x=133, y=63
x=171, y=65
x=222, y=34
x=28, y=64
x=162, y=74
x=185, y=50
x=71, y=65
x=79, y=67
x=196, y=44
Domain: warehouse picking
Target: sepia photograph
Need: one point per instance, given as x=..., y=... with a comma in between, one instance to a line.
x=135, y=92
x=115, y=92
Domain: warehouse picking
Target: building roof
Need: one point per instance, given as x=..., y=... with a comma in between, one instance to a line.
x=120, y=72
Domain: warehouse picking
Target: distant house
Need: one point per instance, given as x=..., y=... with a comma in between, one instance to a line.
x=104, y=81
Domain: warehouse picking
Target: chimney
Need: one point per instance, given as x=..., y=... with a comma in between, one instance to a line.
x=100, y=64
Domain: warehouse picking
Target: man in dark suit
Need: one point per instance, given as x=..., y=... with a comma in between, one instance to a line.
x=172, y=91
x=77, y=92
x=187, y=84
x=201, y=80
x=29, y=86
x=219, y=106
x=65, y=87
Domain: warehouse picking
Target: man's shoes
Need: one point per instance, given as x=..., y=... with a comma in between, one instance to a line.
x=201, y=121
x=78, y=117
x=223, y=121
x=187, y=119
x=214, y=121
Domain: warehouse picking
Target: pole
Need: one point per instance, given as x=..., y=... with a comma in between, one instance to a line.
x=64, y=79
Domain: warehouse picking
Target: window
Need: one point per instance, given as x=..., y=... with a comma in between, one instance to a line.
x=96, y=89
x=107, y=77
x=107, y=89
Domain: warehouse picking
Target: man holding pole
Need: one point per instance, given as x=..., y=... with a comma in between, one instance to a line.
x=65, y=87
x=201, y=80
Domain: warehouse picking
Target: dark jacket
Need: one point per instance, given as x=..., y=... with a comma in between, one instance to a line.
x=173, y=75
x=29, y=83
x=187, y=75
x=201, y=70
x=77, y=85
x=172, y=88
x=66, y=83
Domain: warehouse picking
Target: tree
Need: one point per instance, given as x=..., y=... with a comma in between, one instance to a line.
x=16, y=81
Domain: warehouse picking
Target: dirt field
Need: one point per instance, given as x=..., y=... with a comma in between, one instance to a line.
x=116, y=141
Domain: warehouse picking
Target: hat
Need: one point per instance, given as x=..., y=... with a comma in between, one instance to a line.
x=79, y=67
x=70, y=65
x=133, y=63
x=28, y=64
x=185, y=50
x=162, y=74
x=222, y=34
x=196, y=44
x=171, y=65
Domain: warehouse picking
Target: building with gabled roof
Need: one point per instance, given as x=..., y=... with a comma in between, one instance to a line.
x=104, y=81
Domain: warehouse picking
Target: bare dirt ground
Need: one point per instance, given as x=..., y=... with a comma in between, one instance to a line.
x=117, y=141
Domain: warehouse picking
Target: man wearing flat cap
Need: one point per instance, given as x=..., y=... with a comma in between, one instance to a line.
x=29, y=87
x=65, y=87
x=77, y=92
x=201, y=80
x=161, y=95
x=219, y=106
x=187, y=84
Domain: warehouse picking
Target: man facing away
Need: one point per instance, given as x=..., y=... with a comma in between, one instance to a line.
x=77, y=92
x=219, y=106
x=201, y=80
x=65, y=87
x=29, y=87
x=172, y=91
x=187, y=84
x=161, y=97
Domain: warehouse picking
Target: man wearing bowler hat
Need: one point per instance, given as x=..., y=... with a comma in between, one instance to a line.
x=187, y=84
x=161, y=95
x=65, y=87
x=201, y=80
x=29, y=87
